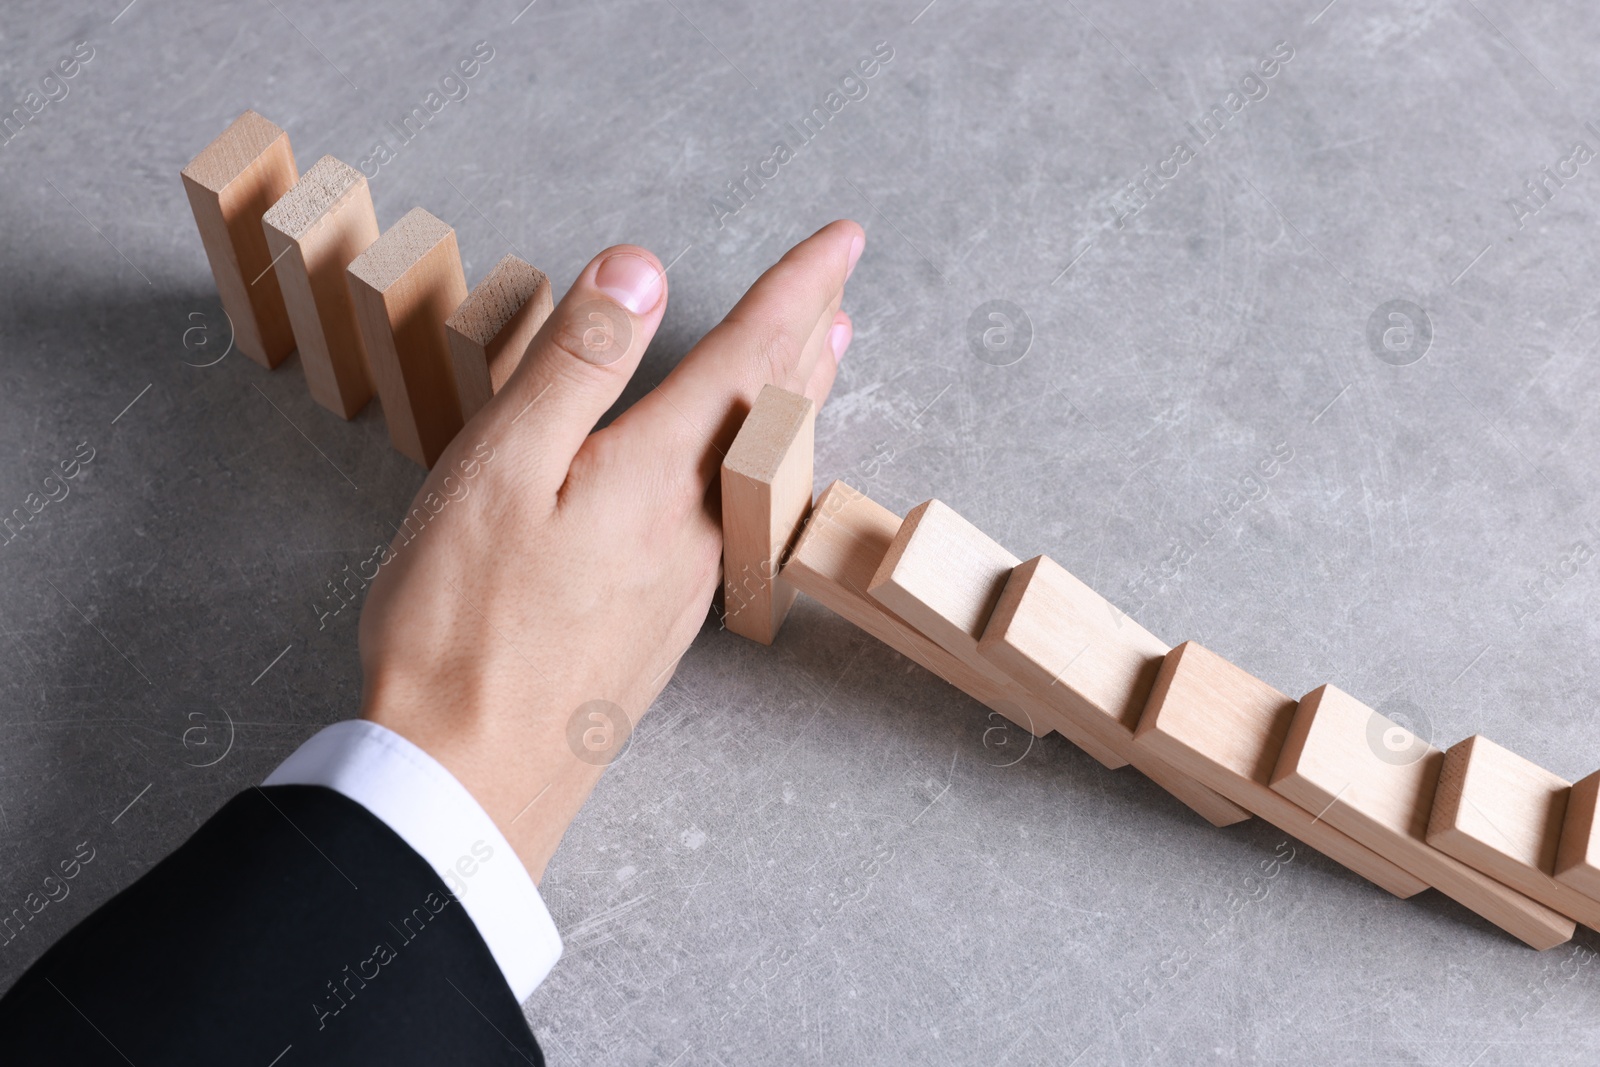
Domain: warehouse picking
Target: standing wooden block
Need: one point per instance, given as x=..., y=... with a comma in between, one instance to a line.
x=231, y=184
x=490, y=332
x=766, y=493
x=943, y=576
x=1093, y=665
x=833, y=562
x=1502, y=814
x=1578, y=855
x=314, y=233
x=1369, y=777
x=404, y=288
x=1225, y=727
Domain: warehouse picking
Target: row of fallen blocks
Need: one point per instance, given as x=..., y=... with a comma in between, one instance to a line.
x=299, y=263
x=1499, y=834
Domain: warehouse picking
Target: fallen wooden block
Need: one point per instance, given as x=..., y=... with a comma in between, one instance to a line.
x=1225, y=727
x=1503, y=814
x=314, y=232
x=404, y=288
x=1578, y=854
x=833, y=562
x=1340, y=759
x=933, y=546
x=231, y=184
x=1093, y=665
x=491, y=330
x=946, y=577
x=766, y=493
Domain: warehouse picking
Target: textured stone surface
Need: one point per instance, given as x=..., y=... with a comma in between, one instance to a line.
x=814, y=853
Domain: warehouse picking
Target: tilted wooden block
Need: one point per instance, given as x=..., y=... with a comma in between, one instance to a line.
x=1502, y=814
x=1225, y=727
x=231, y=184
x=1578, y=855
x=404, y=288
x=490, y=332
x=833, y=562
x=1048, y=625
x=943, y=576
x=313, y=233
x=1093, y=665
x=1371, y=778
x=766, y=494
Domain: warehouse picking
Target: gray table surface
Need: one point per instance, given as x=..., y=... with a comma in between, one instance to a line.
x=816, y=852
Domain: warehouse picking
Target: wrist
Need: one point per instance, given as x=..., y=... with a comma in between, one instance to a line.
x=519, y=768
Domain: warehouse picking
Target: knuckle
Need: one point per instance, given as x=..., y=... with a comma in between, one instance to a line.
x=596, y=333
x=776, y=354
x=565, y=342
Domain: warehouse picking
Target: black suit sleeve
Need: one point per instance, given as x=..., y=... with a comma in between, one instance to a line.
x=293, y=928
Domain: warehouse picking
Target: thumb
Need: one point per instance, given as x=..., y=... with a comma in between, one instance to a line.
x=581, y=359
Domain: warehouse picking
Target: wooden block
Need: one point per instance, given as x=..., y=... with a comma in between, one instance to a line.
x=833, y=562
x=1578, y=854
x=766, y=494
x=942, y=576
x=313, y=233
x=1093, y=665
x=1225, y=727
x=1503, y=814
x=946, y=577
x=490, y=332
x=1047, y=624
x=404, y=288
x=1340, y=760
x=231, y=184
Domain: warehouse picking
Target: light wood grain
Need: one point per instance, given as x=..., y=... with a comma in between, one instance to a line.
x=490, y=332
x=1578, y=854
x=1501, y=813
x=1366, y=775
x=230, y=185
x=1091, y=664
x=1225, y=727
x=943, y=577
x=766, y=494
x=314, y=232
x=404, y=288
x=844, y=540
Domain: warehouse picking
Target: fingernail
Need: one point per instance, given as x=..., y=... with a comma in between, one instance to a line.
x=630, y=281
x=839, y=339
x=857, y=243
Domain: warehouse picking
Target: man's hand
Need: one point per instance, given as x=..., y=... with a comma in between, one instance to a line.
x=543, y=566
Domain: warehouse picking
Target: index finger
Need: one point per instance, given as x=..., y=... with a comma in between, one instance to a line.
x=768, y=338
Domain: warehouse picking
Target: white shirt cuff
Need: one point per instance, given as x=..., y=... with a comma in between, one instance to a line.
x=432, y=811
